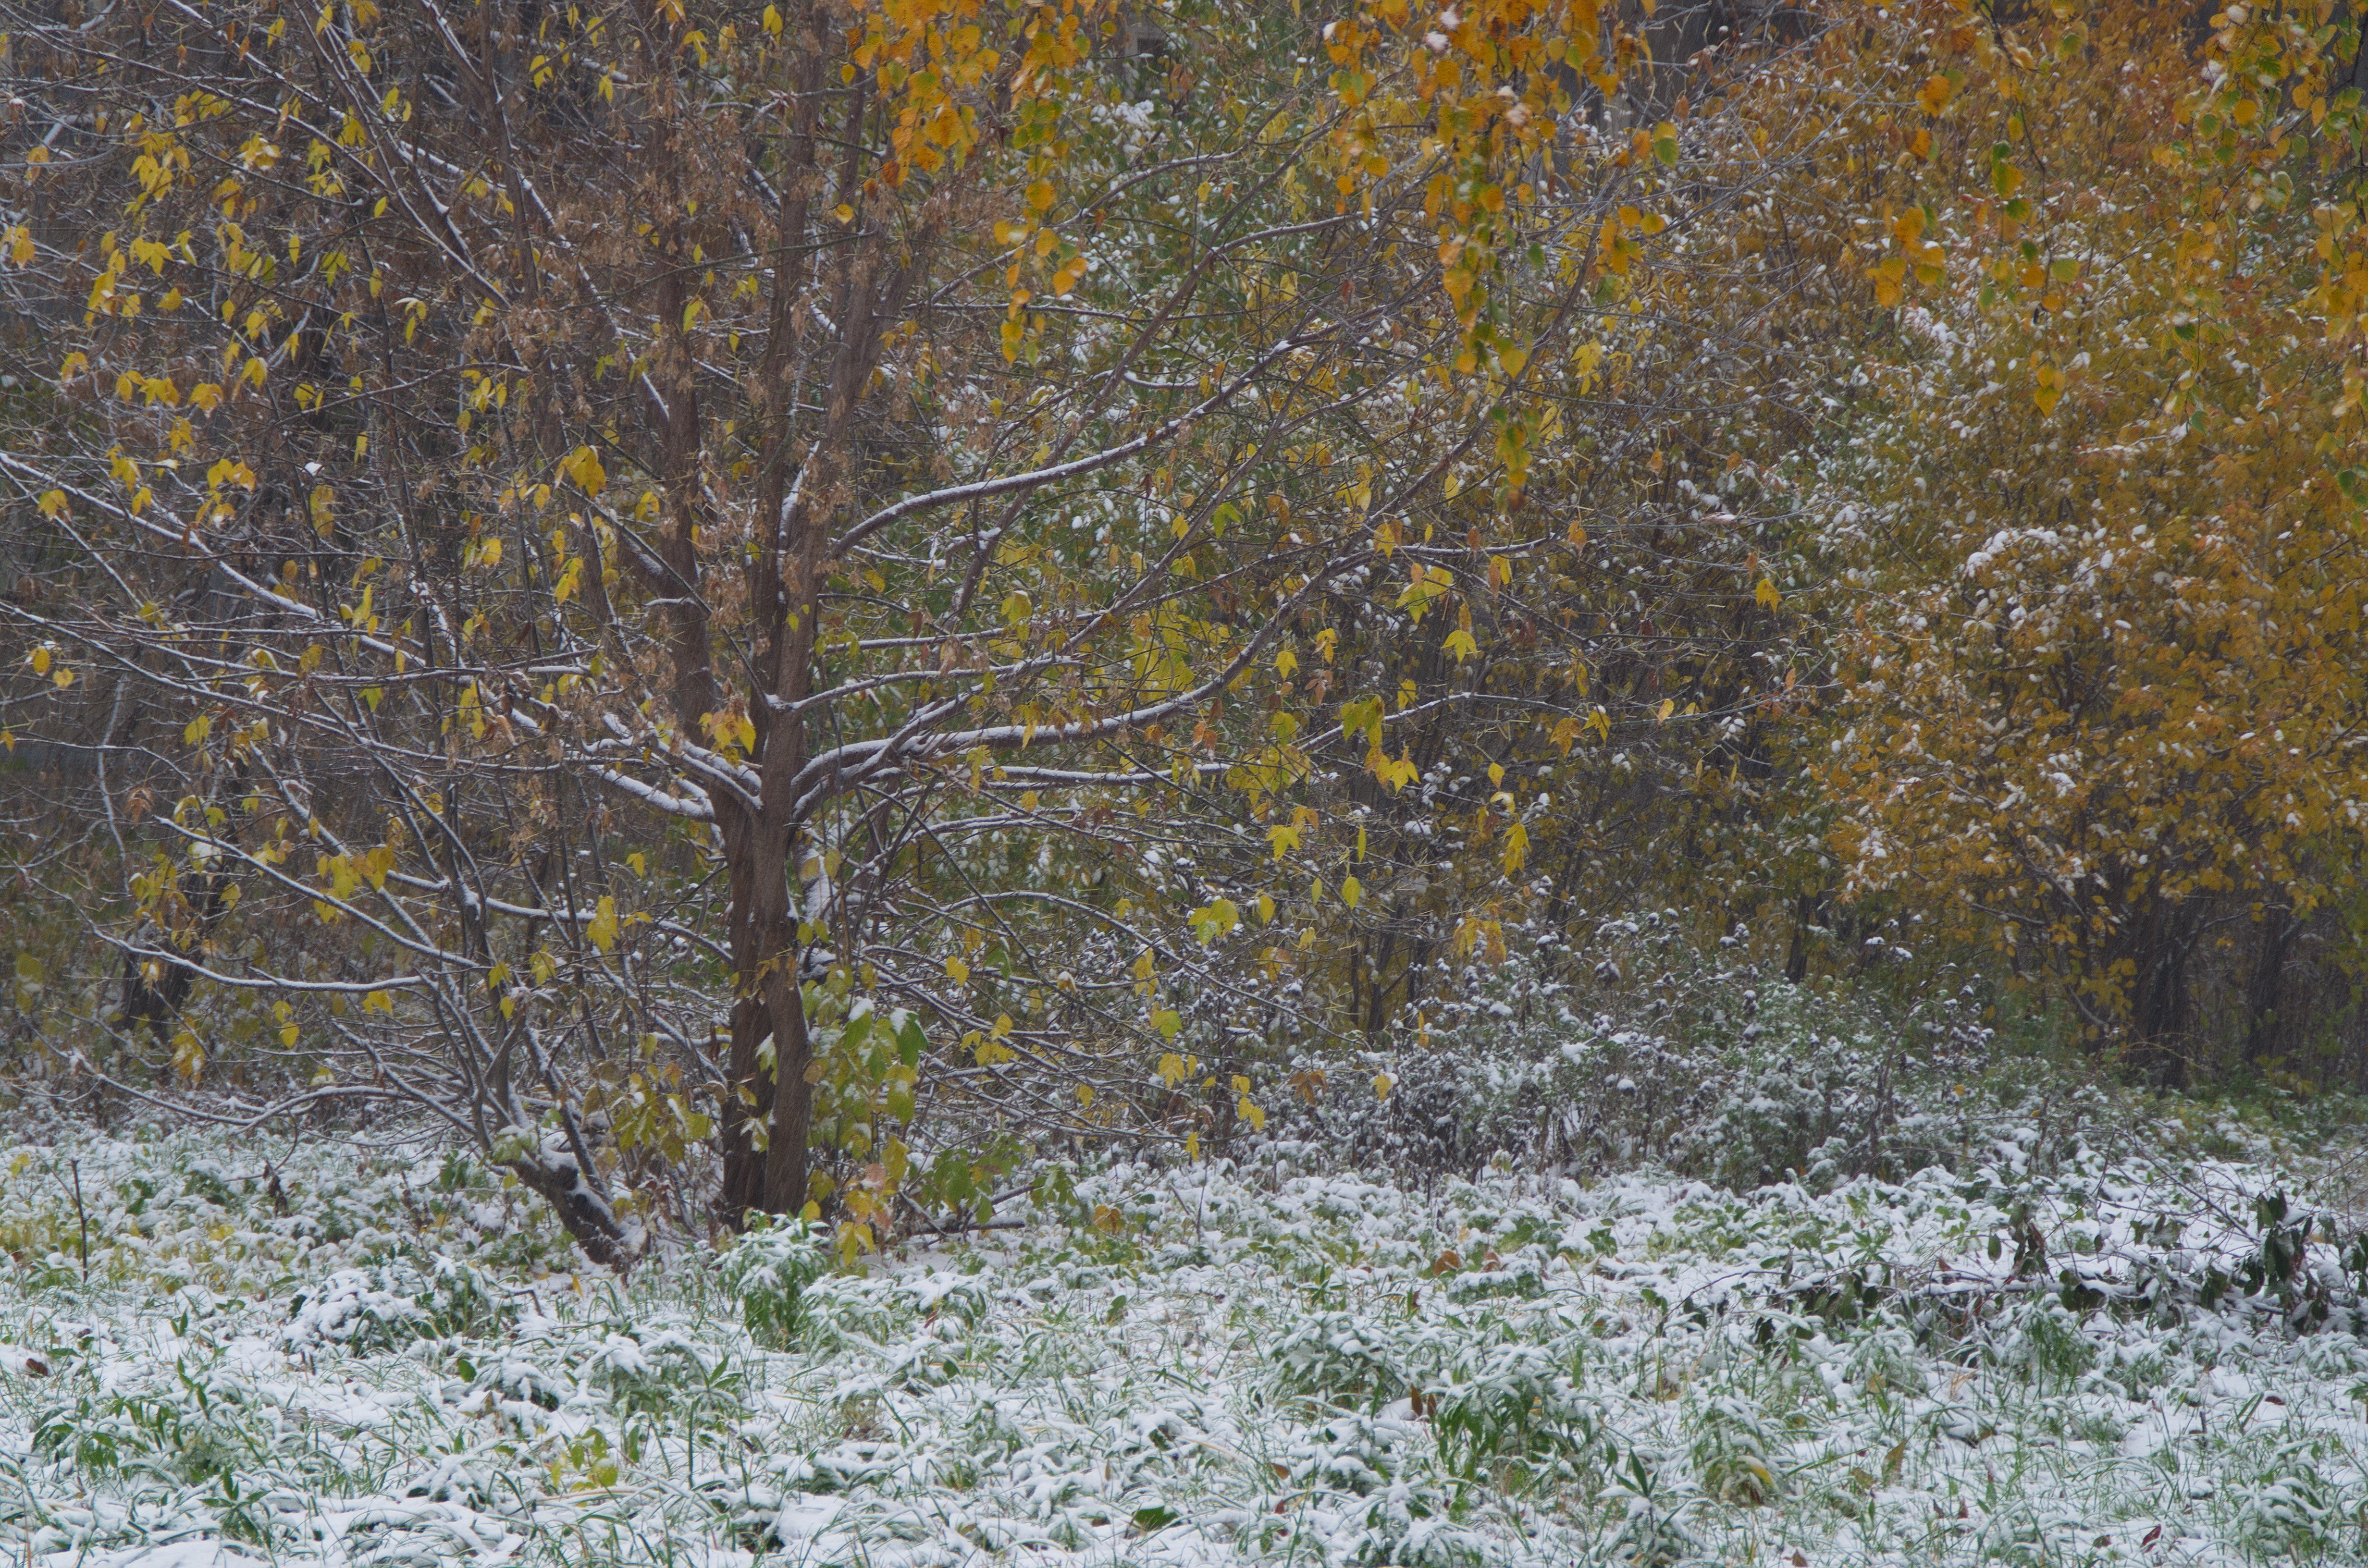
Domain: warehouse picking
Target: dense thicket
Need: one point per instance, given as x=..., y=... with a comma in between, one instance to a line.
x=836, y=589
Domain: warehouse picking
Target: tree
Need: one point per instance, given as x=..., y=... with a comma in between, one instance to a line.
x=2101, y=700
x=481, y=437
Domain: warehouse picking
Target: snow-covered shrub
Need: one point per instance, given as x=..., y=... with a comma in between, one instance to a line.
x=1519, y=1272
x=2045, y=1340
x=1886, y=1362
x=388, y=1304
x=768, y=1270
x=845, y=1311
x=1352, y=1454
x=1660, y=1052
x=940, y=1293
x=1650, y=1531
x=1730, y=1447
x=450, y=1478
x=2294, y=1511
x=1514, y=1405
x=517, y=1384
x=1340, y=1358
x=1404, y=1511
x=655, y=1372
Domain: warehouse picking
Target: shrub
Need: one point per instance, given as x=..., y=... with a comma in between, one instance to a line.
x=390, y=1304
x=768, y=1270
x=1702, y=1061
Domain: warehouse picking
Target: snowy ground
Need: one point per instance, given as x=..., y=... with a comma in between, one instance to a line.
x=378, y=1364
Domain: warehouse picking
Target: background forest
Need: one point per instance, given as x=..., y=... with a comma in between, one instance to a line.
x=746, y=607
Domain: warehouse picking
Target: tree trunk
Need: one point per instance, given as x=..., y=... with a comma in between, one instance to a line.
x=575, y=1195
x=2159, y=1010
x=785, y=1151
x=2278, y=929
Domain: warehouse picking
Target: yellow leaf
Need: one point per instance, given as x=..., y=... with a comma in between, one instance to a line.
x=1215, y=919
x=603, y=930
x=584, y=468
x=957, y=971
x=1383, y=1084
x=2047, y=388
x=1890, y=282
x=1397, y=774
x=1767, y=595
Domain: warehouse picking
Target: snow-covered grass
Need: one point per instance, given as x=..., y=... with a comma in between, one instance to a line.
x=385, y=1360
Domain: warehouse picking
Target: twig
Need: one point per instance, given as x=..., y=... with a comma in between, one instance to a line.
x=81, y=1222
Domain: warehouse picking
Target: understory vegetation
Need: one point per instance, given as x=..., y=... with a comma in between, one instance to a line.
x=2107, y=1331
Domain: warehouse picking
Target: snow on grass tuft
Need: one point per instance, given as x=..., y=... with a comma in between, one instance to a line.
x=387, y=1363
